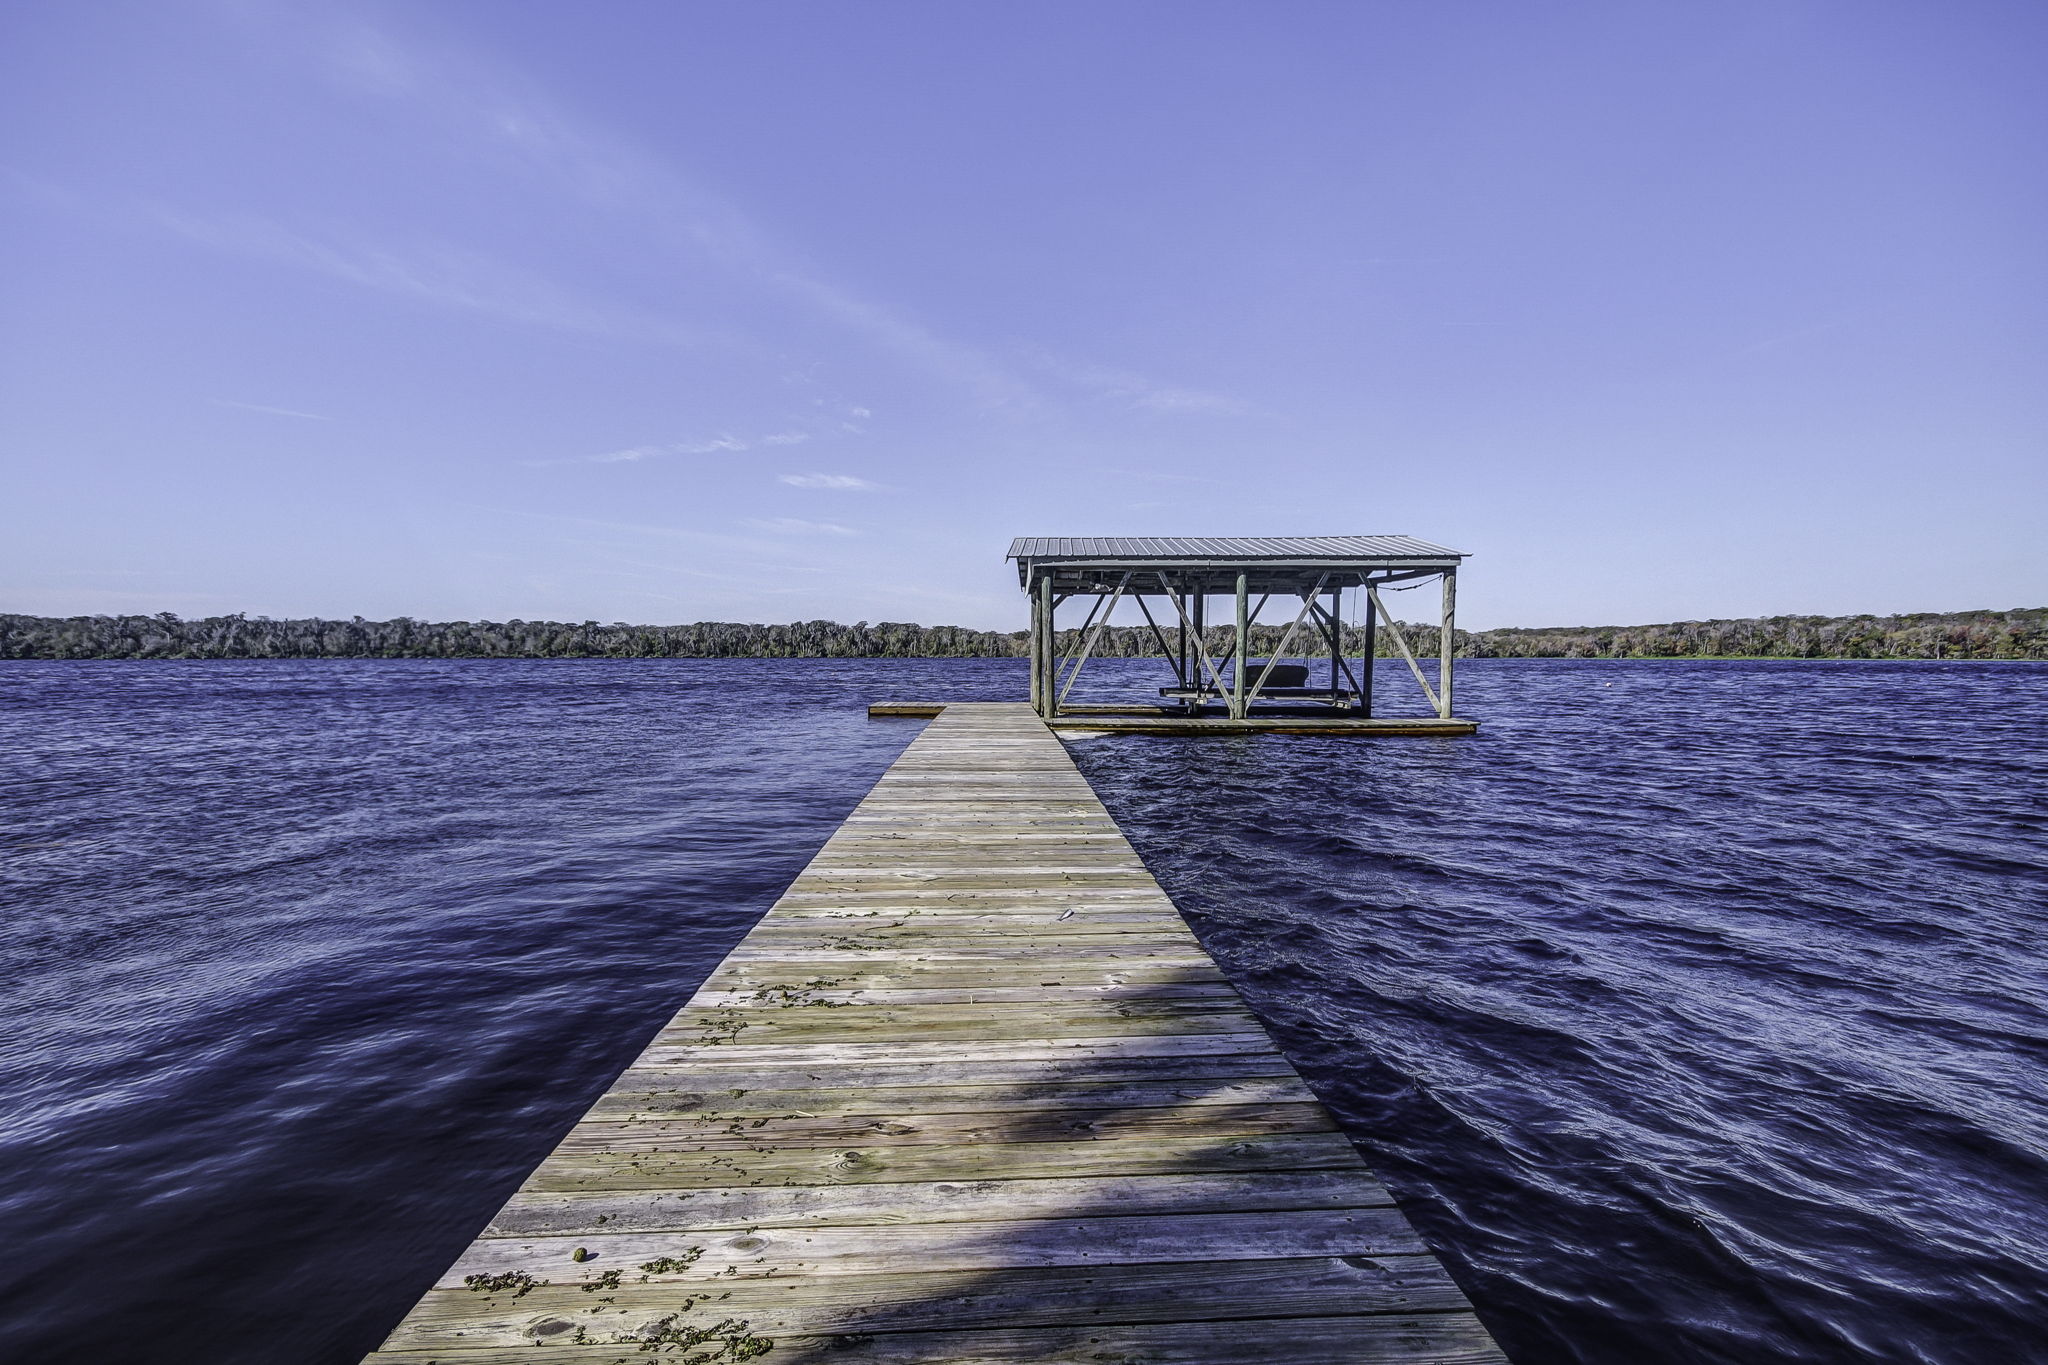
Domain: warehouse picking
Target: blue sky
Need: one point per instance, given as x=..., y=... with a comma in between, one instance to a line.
x=763, y=311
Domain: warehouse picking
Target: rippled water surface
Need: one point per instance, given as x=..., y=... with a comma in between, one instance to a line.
x=1696, y=1011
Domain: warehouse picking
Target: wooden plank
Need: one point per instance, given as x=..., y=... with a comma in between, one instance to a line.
x=1194, y=1291
x=700, y=1257
x=672, y=1094
x=1139, y=718
x=727, y=1207
x=809, y=995
x=1434, y=1339
x=1268, y=725
x=1055, y=977
x=699, y=1132
x=911, y=930
x=971, y=1091
x=881, y=1163
x=997, y=918
x=928, y=1023
x=931, y=1024
x=1103, y=956
x=1216, y=1071
x=1075, y=1053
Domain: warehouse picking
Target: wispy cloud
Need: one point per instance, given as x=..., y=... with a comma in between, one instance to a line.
x=1160, y=476
x=959, y=364
x=724, y=542
x=711, y=447
x=797, y=526
x=274, y=412
x=500, y=109
x=448, y=277
x=841, y=481
x=1163, y=398
x=1136, y=391
x=659, y=450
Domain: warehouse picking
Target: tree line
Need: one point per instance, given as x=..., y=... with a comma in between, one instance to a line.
x=2021, y=633
x=2016, y=634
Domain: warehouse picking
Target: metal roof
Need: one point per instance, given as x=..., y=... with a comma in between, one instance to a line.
x=1292, y=548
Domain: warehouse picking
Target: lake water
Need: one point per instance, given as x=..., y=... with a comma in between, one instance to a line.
x=1696, y=1011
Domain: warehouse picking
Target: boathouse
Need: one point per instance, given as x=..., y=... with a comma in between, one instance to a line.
x=1309, y=577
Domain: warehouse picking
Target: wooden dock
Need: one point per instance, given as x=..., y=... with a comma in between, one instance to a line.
x=1166, y=720
x=969, y=1092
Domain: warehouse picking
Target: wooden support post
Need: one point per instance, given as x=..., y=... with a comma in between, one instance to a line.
x=1336, y=634
x=1199, y=610
x=1048, y=654
x=1180, y=610
x=1180, y=636
x=1372, y=650
x=1243, y=628
x=1037, y=642
x=1443, y=662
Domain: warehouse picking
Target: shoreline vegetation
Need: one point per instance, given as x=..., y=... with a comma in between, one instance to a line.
x=2021, y=633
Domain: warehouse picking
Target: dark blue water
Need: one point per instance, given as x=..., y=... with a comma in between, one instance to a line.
x=1697, y=1011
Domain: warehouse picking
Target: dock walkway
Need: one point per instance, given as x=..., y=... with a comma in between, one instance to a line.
x=969, y=1092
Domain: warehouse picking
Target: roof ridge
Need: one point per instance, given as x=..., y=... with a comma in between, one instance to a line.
x=1381, y=545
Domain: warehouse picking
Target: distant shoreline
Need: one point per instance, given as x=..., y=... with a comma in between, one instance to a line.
x=1384, y=658
x=2016, y=635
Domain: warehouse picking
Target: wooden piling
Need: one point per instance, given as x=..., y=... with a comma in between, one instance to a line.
x=970, y=1092
x=1237, y=662
x=1445, y=636
x=1370, y=656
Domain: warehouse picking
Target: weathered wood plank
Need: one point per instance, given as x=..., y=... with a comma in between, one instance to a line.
x=1431, y=1339
x=697, y=1257
x=805, y=993
x=669, y=1094
x=1057, y=974
x=702, y=1132
x=857, y=1022
x=952, y=1300
x=1215, y=1071
x=726, y=1207
x=1076, y=1052
x=909, y=932
x=1065, y=956
x=876, y=1163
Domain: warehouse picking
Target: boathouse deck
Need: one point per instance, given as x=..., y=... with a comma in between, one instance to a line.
x=1162, y=720
x=970, y=1092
